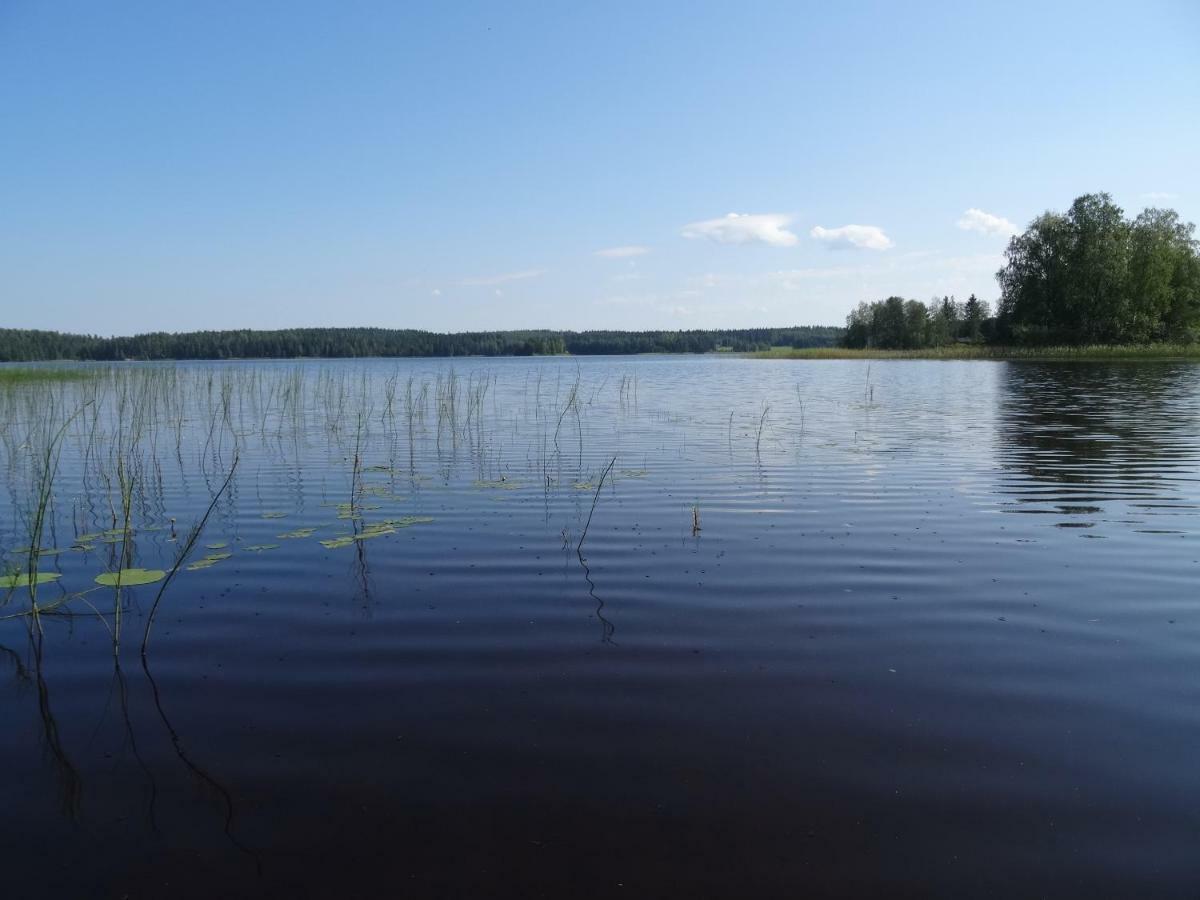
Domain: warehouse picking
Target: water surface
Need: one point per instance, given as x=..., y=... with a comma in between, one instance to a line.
x=936, y=634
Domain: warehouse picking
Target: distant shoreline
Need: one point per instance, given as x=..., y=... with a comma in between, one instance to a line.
x=1097, y=352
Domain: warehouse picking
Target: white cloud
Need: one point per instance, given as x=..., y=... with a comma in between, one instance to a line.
x=744, y=228
x=1156, y=196
x=867, y=237
x=622, y=252
x=986, y=223
x=436, y=292
x=489, y=280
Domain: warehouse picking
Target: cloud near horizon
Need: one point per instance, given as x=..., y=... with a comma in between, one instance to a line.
x=864, y=237
x=744, y=228
x=985, y=223
x=504, y=278
x=623, y=252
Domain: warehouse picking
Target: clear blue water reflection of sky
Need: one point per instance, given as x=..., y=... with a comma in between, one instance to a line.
x=211, y=165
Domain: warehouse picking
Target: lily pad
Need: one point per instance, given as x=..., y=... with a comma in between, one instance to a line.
x=217, y=545
x=407, y=521
x=21, y=579
x=130, y=577
x=376, y=529
x=298, y=533
x=353, y=510
x=259, y=548
x=274, y=515
x=208, y=562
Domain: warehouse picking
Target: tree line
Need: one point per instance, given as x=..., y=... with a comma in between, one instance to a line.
x=20, y=345
x=1087, y=276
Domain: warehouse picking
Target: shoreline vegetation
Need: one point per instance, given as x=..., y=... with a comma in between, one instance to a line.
x=1087, y=283
x=1079, y=353
x=23, y=345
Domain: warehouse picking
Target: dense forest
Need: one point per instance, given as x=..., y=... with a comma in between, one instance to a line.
x=1086, y=276
x=899, y=324
x=18, y=345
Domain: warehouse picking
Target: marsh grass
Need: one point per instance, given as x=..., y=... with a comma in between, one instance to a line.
x=41, y=375
x=136, y=440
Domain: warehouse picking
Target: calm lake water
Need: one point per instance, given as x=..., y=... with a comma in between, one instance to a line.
x=938, y=632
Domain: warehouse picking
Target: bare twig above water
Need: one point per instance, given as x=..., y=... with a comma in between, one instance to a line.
x=595, y=498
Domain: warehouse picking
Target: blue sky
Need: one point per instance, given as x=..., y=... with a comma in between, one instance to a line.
x=176, y=165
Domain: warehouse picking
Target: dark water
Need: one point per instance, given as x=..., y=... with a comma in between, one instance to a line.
x=938, y=635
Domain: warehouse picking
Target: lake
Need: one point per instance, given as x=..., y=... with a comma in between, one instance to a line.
x=635, y=626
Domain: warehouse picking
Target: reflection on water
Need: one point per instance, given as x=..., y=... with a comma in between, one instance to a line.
x=1077, y=437
x=641, y=627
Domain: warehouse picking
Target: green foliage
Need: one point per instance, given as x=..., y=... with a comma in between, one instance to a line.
x=130, y=577
x=13, y=376
x=1092, y=276
x=22, y=345
x=21, y=579
x=1075, y=352
x=899, y=324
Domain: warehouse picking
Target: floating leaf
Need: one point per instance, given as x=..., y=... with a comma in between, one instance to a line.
x=274, y=515
x=635, y=473
x=218, y=545
x=21, y=579
x=130, y=577
x=406, y=521
x=353, y=510
x=374, y=530
x=259, y=548
x=298, y=533
x=208, y=562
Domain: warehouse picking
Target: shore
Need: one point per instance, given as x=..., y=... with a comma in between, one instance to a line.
x=988, y=351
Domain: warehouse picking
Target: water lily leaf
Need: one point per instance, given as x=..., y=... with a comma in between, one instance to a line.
x=130, y=577
x=373, y=530
x=406, y=521
x=353, y=510
x=274, y=515
x=22, y=579
x=217, y=545
x=298, y=533
x=259, y=548
x=208, y=562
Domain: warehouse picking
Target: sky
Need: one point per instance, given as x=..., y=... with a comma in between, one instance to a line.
x=175, y=166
